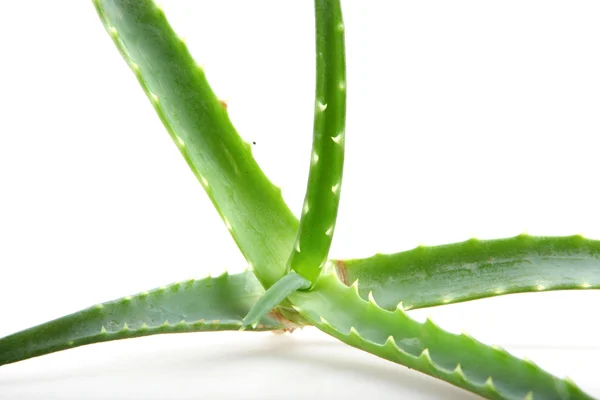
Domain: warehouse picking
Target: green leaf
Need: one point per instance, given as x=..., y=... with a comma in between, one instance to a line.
x=458, y=359
x=274, y=296
x=431, y=276
x=250, y=205
x=210, y=304
x=319, y=213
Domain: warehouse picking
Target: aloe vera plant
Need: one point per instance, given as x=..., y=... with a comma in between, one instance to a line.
x=292, y=282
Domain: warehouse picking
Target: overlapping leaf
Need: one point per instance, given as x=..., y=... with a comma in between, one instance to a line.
x=250, y=205
x=458, y=359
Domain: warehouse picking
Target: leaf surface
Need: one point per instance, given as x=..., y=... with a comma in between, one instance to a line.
x=322, y=198
x=461, y=360
x=274, y=296
x=209, y=304
x=251, y=207
x=475, y=269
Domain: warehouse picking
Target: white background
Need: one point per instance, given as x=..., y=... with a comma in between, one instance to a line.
x=465, y=118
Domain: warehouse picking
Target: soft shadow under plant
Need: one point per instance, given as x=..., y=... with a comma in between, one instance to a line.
x=291, y=282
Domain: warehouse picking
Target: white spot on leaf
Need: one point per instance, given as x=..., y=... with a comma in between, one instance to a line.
x=314, y=158
x=329, y=231
x=321, y=106
x=204, y=181
x=306, y=208
x=335, y=189
x=338, y=139
x=371, y=298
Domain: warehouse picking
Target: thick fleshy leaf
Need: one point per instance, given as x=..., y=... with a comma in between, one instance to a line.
x=319, y=213
x=457, y=359
x=209, y=304
x=250, y=205
x=274, y=296
x=431, y=276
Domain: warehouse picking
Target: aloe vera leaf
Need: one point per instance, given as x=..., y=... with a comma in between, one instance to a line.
x=474, y=269
x=460, y=360
x=319, y=212
x=209, y=304
x=274, y=296
x=251, y=207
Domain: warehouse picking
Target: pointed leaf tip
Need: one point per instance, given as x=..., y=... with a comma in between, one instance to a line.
x=372, y=299
x=425, y=355
x=459, y=372
x=467, y=335
x=530, y=362
x=354, y=333
x=390, y=343
x=571, y=383
x=489, y=384
x=429, y=321
x=354, y=286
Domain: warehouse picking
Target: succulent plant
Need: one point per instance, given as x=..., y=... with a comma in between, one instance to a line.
x=292, y=282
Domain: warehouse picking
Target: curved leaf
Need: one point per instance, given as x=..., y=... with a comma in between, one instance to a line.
x=210, y=304
x=431, y=276
x=458, y=359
